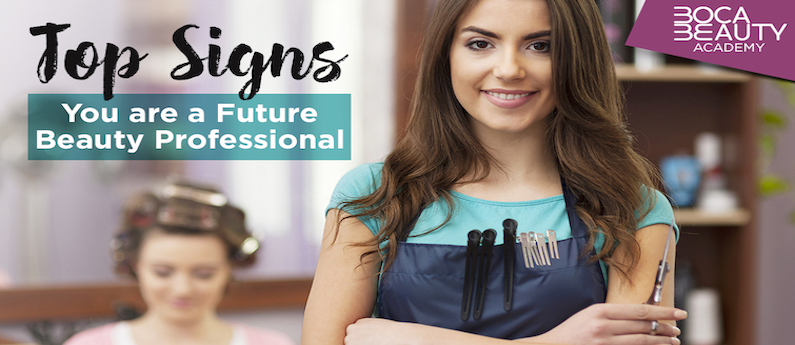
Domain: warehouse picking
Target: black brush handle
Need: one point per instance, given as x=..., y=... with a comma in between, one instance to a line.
x=483, y=278
x=509, y=241
x=473, y=243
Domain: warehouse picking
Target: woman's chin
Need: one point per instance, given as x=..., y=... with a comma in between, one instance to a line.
x=180, y=316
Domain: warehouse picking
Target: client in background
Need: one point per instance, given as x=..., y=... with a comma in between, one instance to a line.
x=181, y=247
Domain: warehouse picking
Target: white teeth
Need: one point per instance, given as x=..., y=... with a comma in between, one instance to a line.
x=507, y=96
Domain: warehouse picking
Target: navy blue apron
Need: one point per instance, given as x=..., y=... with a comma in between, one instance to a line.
x=425, y=285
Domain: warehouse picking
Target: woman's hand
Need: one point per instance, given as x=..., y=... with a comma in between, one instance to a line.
x=624, y=319
x=374, y=331
x=615, y=324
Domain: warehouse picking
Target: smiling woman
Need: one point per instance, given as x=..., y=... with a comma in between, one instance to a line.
x=516, y=122
x=181, y=246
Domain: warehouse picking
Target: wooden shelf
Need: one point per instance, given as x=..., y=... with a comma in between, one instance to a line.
x=31, y=304
x=667, y=109
x=694, y=217
x=680, y=73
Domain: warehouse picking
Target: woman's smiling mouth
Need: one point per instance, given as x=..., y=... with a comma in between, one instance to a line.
x=508, y=99
x=507, y=95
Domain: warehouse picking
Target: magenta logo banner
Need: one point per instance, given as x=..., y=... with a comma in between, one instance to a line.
x=751, y=35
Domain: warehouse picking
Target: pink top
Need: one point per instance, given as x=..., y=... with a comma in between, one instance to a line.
x=119, y=334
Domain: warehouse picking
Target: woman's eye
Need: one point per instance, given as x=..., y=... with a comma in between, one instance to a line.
x=479, y=45
x=163, y=273
x=540, y=46
x=204, y=274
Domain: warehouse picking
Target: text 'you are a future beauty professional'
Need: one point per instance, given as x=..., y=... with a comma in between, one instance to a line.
x=247, y=125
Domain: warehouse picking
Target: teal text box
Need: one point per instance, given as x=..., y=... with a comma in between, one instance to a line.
x=169, y=127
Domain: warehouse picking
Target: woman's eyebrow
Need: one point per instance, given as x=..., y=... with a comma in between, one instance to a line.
x=483, y=32
x=537, y=34
x=488, y=33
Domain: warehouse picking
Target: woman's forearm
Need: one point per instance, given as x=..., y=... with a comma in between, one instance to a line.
x=598, y=324
x=374, y=331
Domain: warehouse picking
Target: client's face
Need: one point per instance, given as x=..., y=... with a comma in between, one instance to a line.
x=182, y=277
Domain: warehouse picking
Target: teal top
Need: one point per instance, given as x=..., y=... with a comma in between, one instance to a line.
x=473, y=213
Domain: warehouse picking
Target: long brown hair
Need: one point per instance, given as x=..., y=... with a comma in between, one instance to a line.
x=594, y=151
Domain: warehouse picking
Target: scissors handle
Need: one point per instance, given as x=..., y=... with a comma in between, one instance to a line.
x=656, y=293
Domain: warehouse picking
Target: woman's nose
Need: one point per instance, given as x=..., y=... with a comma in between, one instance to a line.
x=182, y=285
x=509, y=66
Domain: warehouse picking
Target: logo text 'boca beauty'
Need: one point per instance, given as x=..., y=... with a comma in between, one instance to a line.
x=723, y=29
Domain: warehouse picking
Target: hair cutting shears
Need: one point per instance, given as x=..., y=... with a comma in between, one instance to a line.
x=662, y=270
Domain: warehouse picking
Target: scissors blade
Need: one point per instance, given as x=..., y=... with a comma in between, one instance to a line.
x=662, y=269
x=664, y=262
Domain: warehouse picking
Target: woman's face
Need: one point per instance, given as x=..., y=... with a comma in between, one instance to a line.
x=501, y=68
x=182, y=277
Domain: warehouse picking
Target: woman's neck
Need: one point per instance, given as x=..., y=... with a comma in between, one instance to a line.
x=525, y=168
x=154, y=329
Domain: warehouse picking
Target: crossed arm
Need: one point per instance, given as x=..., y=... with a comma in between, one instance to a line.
x=344, y=290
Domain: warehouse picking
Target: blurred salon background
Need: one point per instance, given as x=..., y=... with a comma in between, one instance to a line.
x=729, y=131
x=57, y=218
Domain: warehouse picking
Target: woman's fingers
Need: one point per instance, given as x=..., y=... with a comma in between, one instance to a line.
x=611, y=323
x=641, y=312
x=644, y=327
x=643, y=339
